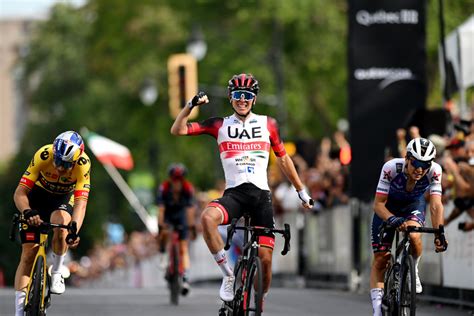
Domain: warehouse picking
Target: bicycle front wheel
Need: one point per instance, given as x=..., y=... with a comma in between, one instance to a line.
x=173, y=274
x=408, y=288
x=253, y=290
x=389, y=302
x=34, y=305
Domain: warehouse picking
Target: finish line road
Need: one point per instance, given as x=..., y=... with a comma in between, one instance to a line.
x=203, y=301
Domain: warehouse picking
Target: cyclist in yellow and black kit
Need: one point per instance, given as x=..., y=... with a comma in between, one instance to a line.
x=54, y=188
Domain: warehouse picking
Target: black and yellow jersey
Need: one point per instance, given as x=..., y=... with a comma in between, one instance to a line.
x=42, y=173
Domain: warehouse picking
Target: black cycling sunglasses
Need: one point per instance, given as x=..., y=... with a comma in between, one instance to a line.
x=58, y=162
x=420, y=164
x=237, y=95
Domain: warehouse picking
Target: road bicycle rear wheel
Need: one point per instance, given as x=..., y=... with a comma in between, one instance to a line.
x=389, y=302
x=408, y=288
x=253, y=289
x=35, y=294
x=173, y=275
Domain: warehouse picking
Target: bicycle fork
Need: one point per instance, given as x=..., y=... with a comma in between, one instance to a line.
x=44, y=280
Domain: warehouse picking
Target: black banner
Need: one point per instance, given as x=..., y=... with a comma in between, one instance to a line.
x=387, y=81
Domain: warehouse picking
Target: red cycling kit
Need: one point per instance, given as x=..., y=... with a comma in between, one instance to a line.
x=244, y=148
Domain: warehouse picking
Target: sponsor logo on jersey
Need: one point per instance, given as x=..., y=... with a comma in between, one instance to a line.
x=30, y=236
x=45, y=154
x=255, y=132
x=387, y=175
x=435, y=176
x=399, y=167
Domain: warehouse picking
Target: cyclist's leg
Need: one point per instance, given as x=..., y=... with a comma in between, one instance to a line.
x=184, y=251
x=60, y=212
x=265, y=255
x=29, y=237
x=416, y=217
x=262, y=215
x=220, y=212
x=381, y=250
x=163, y=237
x=59, y=245
x=62, y=215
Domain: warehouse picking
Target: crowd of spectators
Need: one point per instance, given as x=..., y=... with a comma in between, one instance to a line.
x=111, y=255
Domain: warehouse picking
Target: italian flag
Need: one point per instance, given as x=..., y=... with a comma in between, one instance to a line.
x=107, y=151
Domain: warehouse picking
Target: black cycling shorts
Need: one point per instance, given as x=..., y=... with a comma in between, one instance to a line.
x=247, y=198
x=180, y=221
x=46, y=203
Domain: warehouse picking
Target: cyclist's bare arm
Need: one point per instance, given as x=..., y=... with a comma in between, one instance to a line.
x=437, y=210
x=287, y=166
x=191, y=215
x=379, y=206
x=161, y=215
x=20, y=197
x=179, y=127
x=79, y=212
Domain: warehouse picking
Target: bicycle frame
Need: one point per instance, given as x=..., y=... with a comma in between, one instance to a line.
x=250, y=250
x=41, y=253
x=44, y=228
x=175, y=268
x=392, y=300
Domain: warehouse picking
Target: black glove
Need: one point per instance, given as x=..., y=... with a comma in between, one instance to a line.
x=395, y=221
x=72, y=235
x=440, y=239
x=195, y=99
x=29, y=213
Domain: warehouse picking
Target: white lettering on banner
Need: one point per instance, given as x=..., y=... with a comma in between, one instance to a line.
x=403, y=16
x=389, y=75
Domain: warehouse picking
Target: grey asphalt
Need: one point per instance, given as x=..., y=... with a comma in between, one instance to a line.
x=203, y=301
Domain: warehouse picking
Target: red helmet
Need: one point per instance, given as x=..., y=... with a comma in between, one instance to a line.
x=177, y=171
x=246, y=82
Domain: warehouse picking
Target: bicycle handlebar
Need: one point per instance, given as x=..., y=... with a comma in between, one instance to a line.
x=417, y=229
x=259, y=230
x=44, y=226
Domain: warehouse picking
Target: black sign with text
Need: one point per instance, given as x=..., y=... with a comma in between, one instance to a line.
x=387, y=81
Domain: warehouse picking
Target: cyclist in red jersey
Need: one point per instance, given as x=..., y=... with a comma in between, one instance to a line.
x=175, y=200
x=244, y=140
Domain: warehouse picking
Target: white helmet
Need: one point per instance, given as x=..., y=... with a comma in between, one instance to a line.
x=421, y=149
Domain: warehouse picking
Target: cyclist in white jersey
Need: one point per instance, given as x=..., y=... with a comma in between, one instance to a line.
x=244, y=141
x=400, y=201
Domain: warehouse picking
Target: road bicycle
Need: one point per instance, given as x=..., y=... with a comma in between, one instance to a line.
x=38, y=295
x=175, y=270
x=248, y=272
x=400, y=277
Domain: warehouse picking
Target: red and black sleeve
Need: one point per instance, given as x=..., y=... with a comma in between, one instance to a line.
x=210, y=126
x=275, y=140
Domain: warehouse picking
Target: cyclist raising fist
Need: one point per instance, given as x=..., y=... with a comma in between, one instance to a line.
x=244, y=141
x=54, y=188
